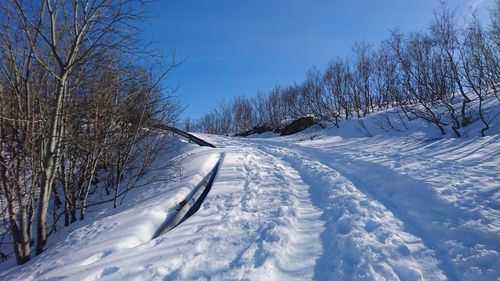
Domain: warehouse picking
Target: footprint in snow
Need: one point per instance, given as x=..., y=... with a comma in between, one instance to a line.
x=371, y=225
x=96, y=257
x=344, y=225
x=109, y=270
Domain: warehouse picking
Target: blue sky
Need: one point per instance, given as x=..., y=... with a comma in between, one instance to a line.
x=236, y=47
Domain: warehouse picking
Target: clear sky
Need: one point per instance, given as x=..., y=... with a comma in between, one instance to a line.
x=238, y=47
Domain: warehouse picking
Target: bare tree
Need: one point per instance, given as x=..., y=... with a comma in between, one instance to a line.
x=70, y=97
x=495, y=24
x=243, y=114
x=445, y=35
x=337, y=80
x=478, y=66
x=362, y=77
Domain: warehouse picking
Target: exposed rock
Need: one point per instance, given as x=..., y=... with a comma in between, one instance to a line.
x=255, y=130
x=299, y=125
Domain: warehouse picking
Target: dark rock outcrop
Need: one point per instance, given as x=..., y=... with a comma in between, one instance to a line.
x=255, y=130
x=299, y=125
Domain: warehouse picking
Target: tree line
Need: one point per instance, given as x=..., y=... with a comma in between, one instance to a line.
x=77, y=96
x=421, y=74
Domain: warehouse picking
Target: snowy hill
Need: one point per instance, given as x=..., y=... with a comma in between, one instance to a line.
x=371, y=200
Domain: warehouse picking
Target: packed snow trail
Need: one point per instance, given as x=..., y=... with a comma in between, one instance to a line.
x=257, y=222
x=445, y=191
x=395, y=225
x=300, y=209
x=278, y=221
x=362, y=238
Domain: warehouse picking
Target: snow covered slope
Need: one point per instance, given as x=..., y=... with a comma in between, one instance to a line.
x=357, y=203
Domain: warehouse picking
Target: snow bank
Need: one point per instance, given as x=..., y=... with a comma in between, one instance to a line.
x=90, y=251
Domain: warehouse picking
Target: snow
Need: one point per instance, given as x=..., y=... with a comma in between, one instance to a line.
x=362, y=202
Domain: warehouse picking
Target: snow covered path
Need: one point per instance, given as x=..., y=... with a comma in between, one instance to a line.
x=302, y=209
x=405, y=216
x=365, y=239
x=276, y=214
x=257, y=223
x=362, y=239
